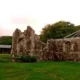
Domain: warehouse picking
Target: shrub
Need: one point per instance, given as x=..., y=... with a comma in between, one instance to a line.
x=28, y=59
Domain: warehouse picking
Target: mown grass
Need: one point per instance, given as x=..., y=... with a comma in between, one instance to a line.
x=5, y=58
x=49, y=70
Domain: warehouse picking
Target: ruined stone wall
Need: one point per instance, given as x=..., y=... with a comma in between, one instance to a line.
x=63, y=49
x=28, y=43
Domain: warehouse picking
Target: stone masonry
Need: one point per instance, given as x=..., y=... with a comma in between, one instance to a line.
x=28, y=43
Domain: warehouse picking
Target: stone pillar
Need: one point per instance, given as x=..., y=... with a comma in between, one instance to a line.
x=16, y=34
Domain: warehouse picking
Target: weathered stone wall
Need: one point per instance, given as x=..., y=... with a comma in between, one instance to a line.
x=28, y=43
x=63, y=49
x=16, y=34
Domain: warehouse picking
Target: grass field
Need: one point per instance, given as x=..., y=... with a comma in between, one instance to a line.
x=39, y=70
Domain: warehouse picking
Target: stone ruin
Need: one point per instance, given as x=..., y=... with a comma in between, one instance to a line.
x=28, y=43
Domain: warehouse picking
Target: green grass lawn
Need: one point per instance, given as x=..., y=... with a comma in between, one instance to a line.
x=39, y=70
x=5, y=58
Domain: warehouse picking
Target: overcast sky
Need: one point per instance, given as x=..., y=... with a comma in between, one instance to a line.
x=36, y=13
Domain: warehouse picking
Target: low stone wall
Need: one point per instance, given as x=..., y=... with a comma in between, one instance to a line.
x=63, y=49
x=28, y=43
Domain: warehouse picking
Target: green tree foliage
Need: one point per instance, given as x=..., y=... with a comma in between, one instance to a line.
x=58, y=30
x=6, y=40
x=77, y=27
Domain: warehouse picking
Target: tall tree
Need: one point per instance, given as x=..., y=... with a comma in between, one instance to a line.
x=57, y=30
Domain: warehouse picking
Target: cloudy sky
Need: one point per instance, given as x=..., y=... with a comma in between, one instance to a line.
x=36, y=13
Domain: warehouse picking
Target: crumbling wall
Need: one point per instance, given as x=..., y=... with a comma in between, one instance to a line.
x=16, y=34
x=64, y=49
x=28, y=43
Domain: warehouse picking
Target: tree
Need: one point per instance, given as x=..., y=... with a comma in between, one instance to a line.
x=57, y=30
x=6, y=40
x=77, y=27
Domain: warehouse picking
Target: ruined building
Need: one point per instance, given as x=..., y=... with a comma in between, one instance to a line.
x=28, y=43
